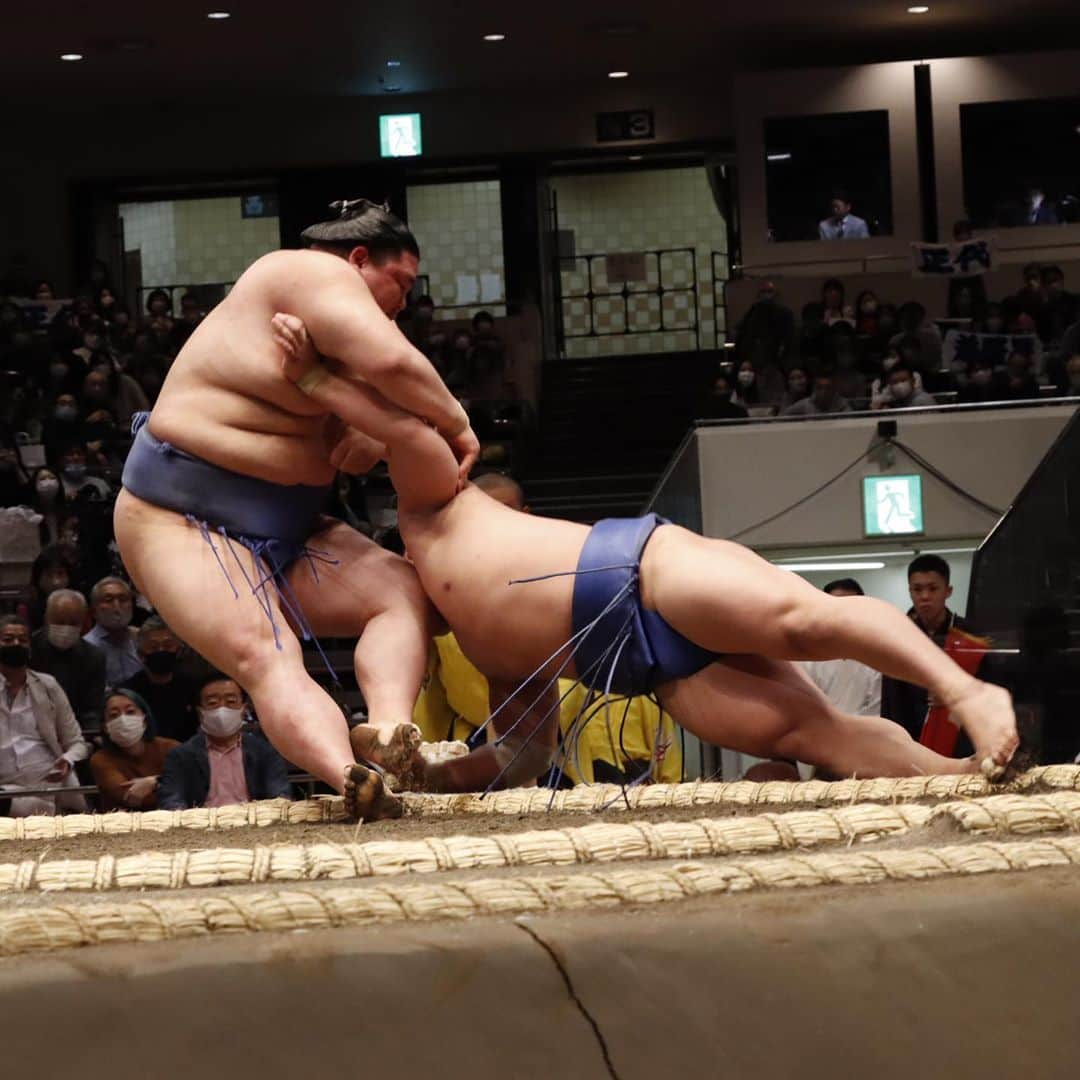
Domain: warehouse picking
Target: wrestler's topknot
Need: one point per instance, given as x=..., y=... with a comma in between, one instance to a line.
x=362, y=223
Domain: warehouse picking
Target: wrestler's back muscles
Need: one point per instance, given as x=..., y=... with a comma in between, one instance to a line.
x=224, y=399
x=468, y=552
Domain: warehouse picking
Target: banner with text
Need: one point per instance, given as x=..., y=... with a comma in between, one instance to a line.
x=970, y=259
x=994, y=349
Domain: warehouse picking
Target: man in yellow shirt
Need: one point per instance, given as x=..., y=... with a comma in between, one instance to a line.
x=609, y=744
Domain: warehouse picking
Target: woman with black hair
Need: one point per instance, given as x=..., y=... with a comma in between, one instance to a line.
x=127, y=767
x=15, y=486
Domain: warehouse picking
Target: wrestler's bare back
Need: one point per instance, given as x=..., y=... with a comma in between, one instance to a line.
x=468, y=552
x=224, y=399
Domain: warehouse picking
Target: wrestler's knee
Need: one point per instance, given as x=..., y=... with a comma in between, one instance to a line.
x=802, y=626
x=253, y=658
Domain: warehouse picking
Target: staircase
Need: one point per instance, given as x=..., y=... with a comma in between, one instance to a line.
x=608, y=427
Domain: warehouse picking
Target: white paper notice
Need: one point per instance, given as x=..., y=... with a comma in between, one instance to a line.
x=468, y=288
x=491, y=288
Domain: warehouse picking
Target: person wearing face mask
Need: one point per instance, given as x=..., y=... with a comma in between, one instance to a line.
x=40, y=740
x=127, y=767
x=111, y=602
x=222, y=765
x=58, y=650
x=74, y=476
x=901, y=390
x=49, y=503
x=170, y=693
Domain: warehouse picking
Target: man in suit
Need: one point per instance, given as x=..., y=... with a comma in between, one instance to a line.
x=1037, y=211
x=842, y=224
x=40, y=739
x=222, y=765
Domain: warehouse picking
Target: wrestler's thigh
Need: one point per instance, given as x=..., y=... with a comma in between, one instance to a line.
x=339, y=598
x=746, y=703
x=173, y=565
x=721, y=595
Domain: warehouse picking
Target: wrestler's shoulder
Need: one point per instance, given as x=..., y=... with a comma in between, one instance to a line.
x=287, y=263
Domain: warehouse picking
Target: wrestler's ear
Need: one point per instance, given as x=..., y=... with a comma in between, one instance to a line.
x=359, y=256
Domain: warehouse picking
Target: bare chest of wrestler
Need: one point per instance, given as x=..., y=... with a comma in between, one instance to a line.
x=225, y=401
x=468, y=555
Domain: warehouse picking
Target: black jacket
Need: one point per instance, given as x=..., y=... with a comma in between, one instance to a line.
x=80, y=671
x=185, y=780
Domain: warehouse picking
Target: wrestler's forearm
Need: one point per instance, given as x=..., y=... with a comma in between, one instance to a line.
x=415, y=386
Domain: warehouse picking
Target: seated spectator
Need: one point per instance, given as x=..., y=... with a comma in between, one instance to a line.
x=994, y=320
x=983, y=385
x=456, y=361
x=914, y=324
x=758, y=392
x=901, y=391
x=105, y=449
x=128, y=766
x=48, y=502
x=78, y=484
x=851, y=687
x=192, y=313
x=40, y=740
x=158, y=304
x=1069, y=386
x=487, y=364
x=841, y=357
x=967, y=299
x=15, y=486
x=1020, y=383
x=1031, y=299
x=798, y=387
x=43, y=291
x=53, y=569
x=111, y=603
x=107, y=388
x=721, y=402
x=169, y=693
x=824, y=399
x=1061, y=311
x=419, y=326
x=832, y=301
x=842, y=224
x=866, y=314
x=222, y=765
x=58, y=649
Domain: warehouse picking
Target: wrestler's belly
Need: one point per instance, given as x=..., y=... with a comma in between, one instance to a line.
x=295, y=453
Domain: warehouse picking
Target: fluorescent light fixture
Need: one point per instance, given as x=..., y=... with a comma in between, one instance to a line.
x=617, y=74
x=399, y=136
x=393, y=63
x=777, y=157
x=830, y=566
x=635, y=157
x=919, y=9
x=71, y=56
x=494, y=37
x=217, y=16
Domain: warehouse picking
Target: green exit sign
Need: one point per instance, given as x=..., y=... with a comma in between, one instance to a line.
x=399, y=136
x=892, y=505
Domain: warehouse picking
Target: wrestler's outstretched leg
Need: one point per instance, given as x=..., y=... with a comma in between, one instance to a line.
x=769, y=708
x=173, y=565
x=725, y=598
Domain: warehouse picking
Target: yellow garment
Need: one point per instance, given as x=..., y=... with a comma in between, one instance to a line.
x=454, y=702
x=598, y=738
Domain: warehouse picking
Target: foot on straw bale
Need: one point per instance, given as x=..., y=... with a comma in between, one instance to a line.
x=366, y=796
x=985, y=712
x=399, y=755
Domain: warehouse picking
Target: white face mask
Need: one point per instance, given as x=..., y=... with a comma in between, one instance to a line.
x=901, y=389
x=746, y=378
x=221, y=723
x=63, y=637
x=126, y=729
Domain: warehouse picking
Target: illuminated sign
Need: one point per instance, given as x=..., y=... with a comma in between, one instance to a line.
x=892, y=505
x=399, y=136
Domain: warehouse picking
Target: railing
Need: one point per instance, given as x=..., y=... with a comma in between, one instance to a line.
x=613, y=311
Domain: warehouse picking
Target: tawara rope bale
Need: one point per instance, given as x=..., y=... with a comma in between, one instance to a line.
x=583, y=799
x=40, y=927
x=602, y=843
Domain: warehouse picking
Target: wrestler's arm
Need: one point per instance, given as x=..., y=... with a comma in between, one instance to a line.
x=347, y=325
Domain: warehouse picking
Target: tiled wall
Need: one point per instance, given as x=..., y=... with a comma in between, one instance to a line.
x=150, y=228
x=636, y=212
x=196, y=241
x=459, y=229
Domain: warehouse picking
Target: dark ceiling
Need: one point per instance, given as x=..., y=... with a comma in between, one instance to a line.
x=166, y=52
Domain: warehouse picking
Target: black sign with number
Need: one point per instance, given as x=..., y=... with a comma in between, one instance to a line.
x=625, y=126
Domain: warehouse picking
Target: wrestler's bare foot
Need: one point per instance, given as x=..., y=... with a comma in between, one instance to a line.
x=366, y=797
x=986, y=713
x=397, y=752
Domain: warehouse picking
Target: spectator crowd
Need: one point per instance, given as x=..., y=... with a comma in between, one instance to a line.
x=868, y=353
